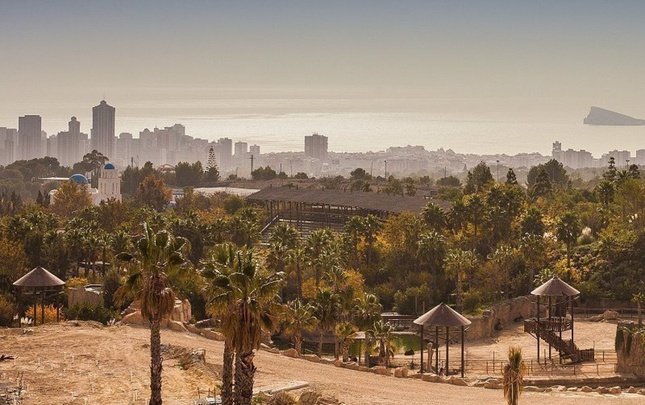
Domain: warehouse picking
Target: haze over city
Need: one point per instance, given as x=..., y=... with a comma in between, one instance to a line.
x=514, y=76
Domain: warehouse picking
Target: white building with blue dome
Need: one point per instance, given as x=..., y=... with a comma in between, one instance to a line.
x=109, y=185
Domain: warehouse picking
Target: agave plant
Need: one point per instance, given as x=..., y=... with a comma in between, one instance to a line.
x=514, y=372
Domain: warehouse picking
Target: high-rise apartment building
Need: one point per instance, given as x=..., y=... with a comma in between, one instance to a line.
x=224, y=153
x=102, y=135
x=640, y=157
x=316, y=146
x=30, y=143
x=255, y=151
x=241, y=149
x=70, y=144
x=8, y=145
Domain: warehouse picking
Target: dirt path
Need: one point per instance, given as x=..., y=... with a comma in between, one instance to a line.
x=64, y=364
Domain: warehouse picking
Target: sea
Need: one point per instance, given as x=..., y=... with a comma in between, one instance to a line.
x=355, y=123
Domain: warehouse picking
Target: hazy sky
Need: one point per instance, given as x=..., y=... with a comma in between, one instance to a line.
x=586, y=51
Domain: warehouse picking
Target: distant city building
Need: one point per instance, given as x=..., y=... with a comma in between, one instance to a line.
x=640, y=157
x=8, y=145
x=255, y=151
x=575, y=159
x=241, y=149
x=224, y=153
x=30, y=144
x=102, y=135
x=316, y=146
x=621, y=157
x=70, y=144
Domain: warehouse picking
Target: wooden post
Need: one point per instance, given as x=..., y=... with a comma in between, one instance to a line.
x=42, y=307
x=537, y=329
x=447, y=346
x=35, y=307
x=550, y=309
x=422, y=349
x=572, y=328
x=462, y=351
x=436, y=349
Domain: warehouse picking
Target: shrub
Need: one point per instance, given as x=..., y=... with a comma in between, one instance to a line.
x=74, y=282
x=111, y=283
x=281, y=398
x=87, y=312
x=50, y=313
x=7, y=310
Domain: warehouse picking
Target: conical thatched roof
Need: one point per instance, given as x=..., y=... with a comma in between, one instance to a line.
x=555, y=288
x=39, y=278
x=442, y=315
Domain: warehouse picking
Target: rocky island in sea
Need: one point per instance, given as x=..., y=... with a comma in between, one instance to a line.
x=601, y=116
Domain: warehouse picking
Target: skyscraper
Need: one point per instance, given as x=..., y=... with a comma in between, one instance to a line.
x=103, y=129
x=70, y=148
x=316, y=146
x=8, y=145
x=241, y=149
x=29, y=137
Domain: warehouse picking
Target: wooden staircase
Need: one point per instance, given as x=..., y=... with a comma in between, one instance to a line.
x=550, y=330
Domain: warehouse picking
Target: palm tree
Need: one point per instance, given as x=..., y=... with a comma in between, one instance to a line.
x=344, y=331
x=319, y=250
x=157, y=254
x=459, y=264
x=297, y=257
x=567, y=230
x=327, y=309
x=434, y=217
x=299, y=317
x=219, y=266
x=514, y=376
x=371, y=226
x=284, y=234
x=252, y=297
x=367, y=310
x=381, y=332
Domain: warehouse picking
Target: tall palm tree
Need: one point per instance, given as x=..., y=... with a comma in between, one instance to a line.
x=319, y=246
x=253, y=294
x=381, y=332
x=568, y=229
x=459, y=265
x=514, y=376
x=327, y=309
x=220, y=265
x=366, y=311
x=297, y=257
x=284, y=234
x=298, y=317
x=157, y=254
x=371, y=227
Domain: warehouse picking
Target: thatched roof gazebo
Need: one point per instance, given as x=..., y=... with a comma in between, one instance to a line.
x=40, y=281
x=550, y=329
x=443, y=316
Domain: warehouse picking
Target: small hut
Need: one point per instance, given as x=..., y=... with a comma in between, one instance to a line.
x=443, y=316
x=560, y=298
x=42, y=284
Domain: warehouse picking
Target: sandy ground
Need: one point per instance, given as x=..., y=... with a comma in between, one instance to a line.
x=66, y=364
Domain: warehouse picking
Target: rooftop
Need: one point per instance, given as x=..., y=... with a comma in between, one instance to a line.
x=370, y=201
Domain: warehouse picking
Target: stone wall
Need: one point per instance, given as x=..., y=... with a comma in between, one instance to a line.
x=630, y=349
x=501, y=315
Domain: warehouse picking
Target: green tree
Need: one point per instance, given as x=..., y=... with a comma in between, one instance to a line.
x=478, y=178
x=542, y=185
x=555, y=171
x=70, y=198
x=532, y=223
x=250, y=297
x=344, y=331
x=434, y=216
x=298, y=317
x=511, y=179
x=381, y=332
x=188, y=175
x=459, y=265
x=157, y=254
x=152, y=191
x=328, y=307
x=567, y=231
